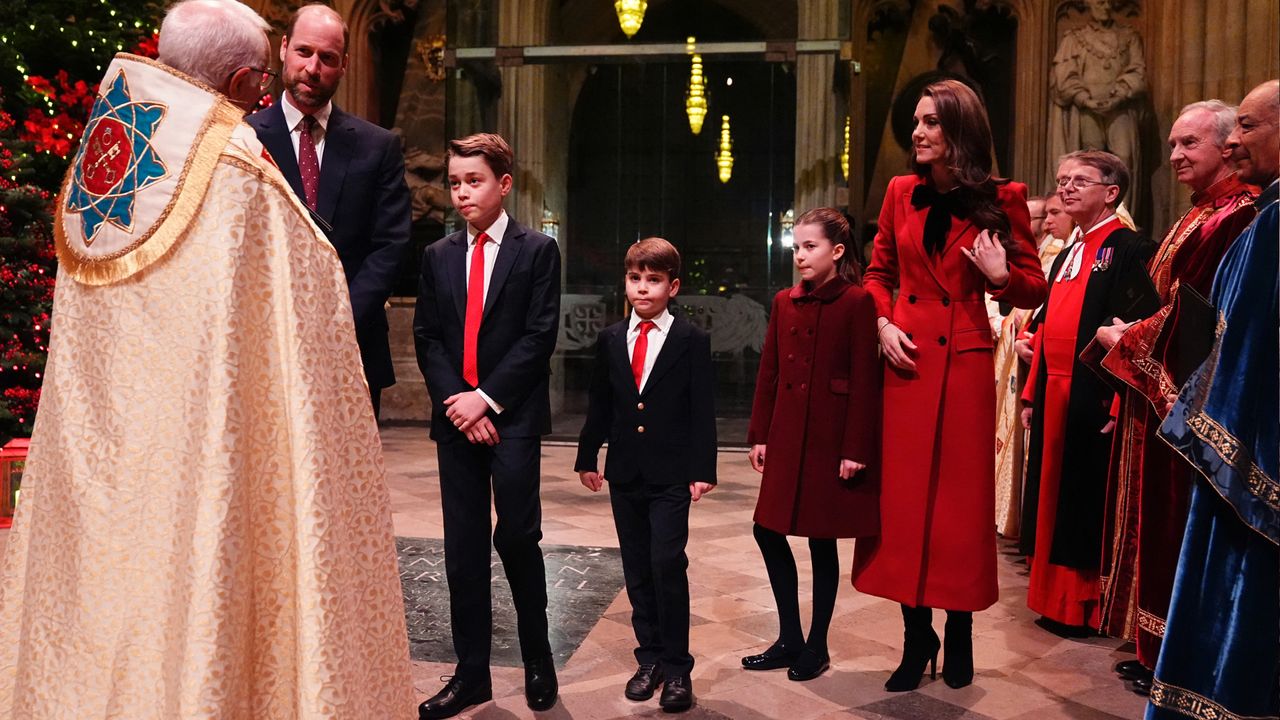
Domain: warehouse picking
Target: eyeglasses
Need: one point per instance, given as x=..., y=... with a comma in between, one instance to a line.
x=1078, y=183
x=264, y=82
x=268, y=77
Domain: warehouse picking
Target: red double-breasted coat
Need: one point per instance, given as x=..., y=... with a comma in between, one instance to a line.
x=937, y=542
x=817, y=401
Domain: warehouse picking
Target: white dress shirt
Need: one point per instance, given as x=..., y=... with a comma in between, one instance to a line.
x=496, y=231
x=293, y=121
x=1075, y=254
x=657, y=336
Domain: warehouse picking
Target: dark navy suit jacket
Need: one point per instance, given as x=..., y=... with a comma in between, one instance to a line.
x=363, y=207
x=518, y=329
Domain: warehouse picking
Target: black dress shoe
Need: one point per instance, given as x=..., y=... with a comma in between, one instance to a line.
x=458, y=695
x=808, y=666
x=540, y=684
x=778, y=656
x=644, y=683
x=1132, y=670
x=677, y=694
x=1142, y=686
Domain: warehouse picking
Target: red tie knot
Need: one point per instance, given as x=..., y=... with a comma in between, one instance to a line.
x=646, y=325
x=481, y=239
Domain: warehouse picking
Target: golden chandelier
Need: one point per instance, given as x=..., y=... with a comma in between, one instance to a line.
x=724, y=158
x=630, y=15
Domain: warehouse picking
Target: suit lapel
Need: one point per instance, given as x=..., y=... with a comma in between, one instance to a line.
x=618, y=354
x=339, y=143
x=275, y=138
x=455, y=265
x=512, y=243
x=672, y=349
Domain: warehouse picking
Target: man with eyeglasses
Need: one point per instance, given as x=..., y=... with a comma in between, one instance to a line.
x=205, y=528
x=347, y=171
x=1067, y=406
x=1149, y=487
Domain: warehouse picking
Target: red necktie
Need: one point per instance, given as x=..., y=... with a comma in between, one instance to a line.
x=308, y=161
x=475, y=310
x=642, y=347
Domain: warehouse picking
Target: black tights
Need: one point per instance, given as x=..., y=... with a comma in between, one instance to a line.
x=781, y=566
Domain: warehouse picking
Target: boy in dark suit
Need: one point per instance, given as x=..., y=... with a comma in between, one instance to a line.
x=485, y=326
x=652, y=397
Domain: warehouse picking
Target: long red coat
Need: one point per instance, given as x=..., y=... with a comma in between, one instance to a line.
x=817, y=400
x=937, y=541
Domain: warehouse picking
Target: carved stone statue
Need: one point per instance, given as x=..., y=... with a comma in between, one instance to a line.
x=1097, y=77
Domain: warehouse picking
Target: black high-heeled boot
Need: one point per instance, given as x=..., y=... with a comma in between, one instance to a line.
x=957, y=668
x=920, y=648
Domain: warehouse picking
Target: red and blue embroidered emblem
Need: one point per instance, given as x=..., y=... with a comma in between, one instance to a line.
x=115, y=160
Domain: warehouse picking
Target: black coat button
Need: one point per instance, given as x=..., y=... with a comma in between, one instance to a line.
x=911, y=299
x=946, y=302
x=942, y=340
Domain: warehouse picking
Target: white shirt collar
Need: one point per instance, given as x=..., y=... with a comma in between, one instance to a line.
x=1104, y=221
x=496, y=231
x=662, y=321
x=293, y=116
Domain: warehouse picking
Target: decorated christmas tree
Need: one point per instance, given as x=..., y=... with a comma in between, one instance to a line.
x=50, y=65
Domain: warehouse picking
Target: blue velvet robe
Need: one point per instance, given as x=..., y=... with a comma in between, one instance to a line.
x=1221, y=652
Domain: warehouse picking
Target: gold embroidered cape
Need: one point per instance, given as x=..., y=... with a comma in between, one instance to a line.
x=204, y=528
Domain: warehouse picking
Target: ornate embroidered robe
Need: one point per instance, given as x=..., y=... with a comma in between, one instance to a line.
x=204, y=529
x=1148, y=486
x=1220, y=658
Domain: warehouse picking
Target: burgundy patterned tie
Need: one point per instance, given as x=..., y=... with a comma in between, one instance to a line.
x=308, y=161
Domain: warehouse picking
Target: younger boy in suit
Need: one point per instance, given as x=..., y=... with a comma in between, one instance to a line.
x=485, y=326
x=652, y=397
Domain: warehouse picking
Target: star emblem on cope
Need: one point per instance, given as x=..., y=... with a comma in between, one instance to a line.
x=115, y=160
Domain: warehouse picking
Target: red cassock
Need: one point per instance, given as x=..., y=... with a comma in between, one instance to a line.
x=817, y=401
x=937, y=541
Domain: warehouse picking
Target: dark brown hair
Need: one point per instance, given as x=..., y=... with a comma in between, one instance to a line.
x=968, y=134
x=1111, y=167
x=655, y=255
x=293, y=20
x=835, y=228
x=495, y=151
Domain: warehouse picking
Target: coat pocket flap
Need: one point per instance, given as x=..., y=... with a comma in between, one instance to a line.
x=840, y=386
x=978, y=339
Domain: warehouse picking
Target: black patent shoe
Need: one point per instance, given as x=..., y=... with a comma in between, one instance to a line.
x=808, y=666
x=677, y=694
x=540, y=685
x=1141, y=686
x=458, y=695
x=1132, y=670
x=778, y=656
x=644, y=683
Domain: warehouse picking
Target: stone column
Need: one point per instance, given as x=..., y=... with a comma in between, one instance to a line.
x=819, y=132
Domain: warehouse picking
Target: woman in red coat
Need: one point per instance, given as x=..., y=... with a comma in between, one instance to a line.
x=947, y=234
x=813, y=435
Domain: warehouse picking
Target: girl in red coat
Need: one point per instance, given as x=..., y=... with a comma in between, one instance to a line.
x=947, y=233
x=814, y=418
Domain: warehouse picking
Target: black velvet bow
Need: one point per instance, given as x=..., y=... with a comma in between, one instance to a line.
x=942, y=207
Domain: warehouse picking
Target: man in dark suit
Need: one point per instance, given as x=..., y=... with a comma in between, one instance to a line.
x=485, y=326
x=347, y=171
x=652, y=397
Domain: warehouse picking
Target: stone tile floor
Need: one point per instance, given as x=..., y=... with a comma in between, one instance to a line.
x=1023, y=672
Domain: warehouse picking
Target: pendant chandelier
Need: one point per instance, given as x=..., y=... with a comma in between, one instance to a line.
x=695, y=98
x=844, y=154
x=630, y=15
x=724, y=158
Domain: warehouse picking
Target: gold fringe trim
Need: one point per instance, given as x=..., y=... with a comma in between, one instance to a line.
x=1193, y=705
x=172, y=224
